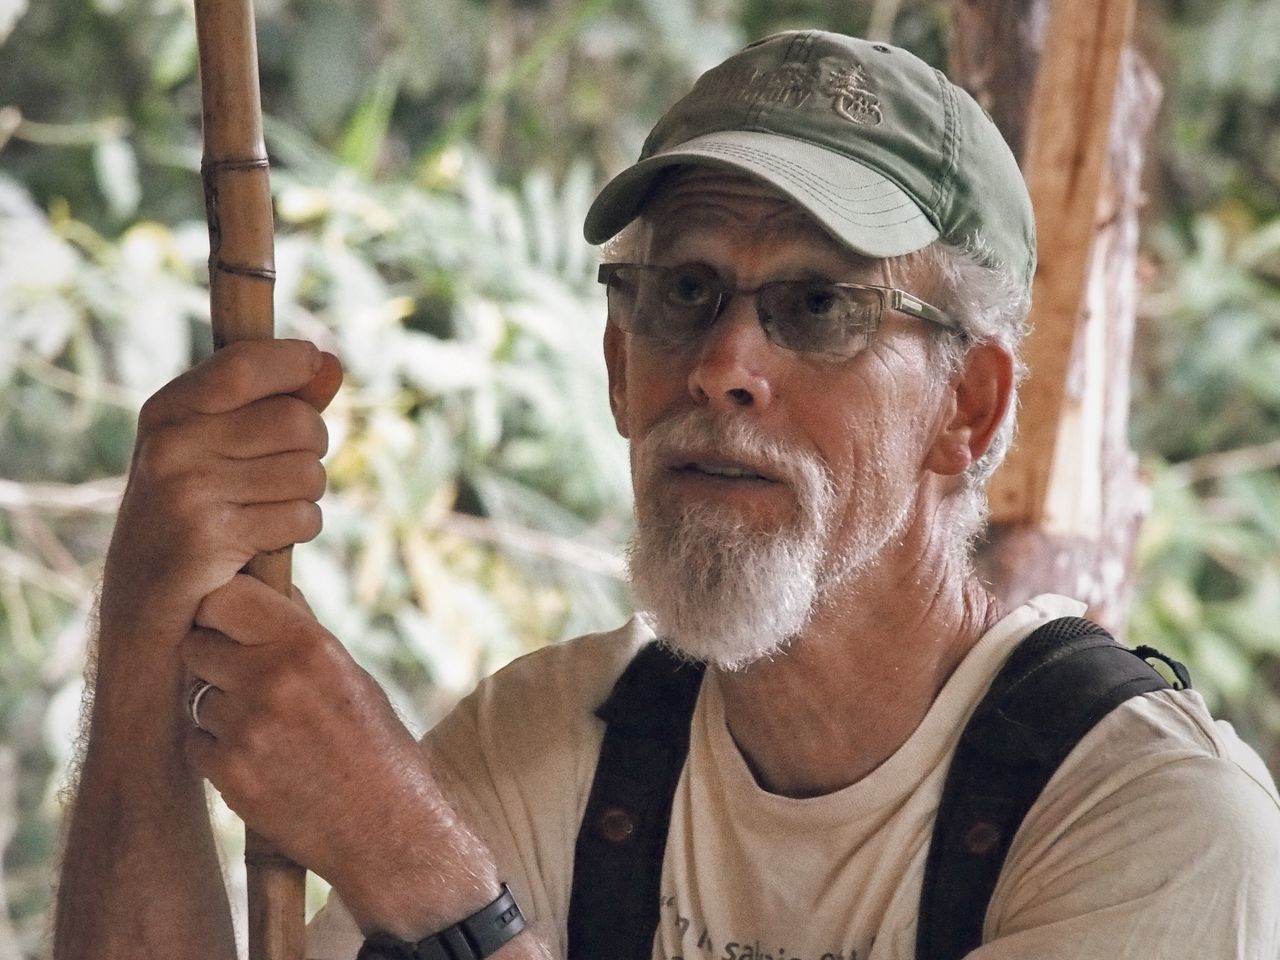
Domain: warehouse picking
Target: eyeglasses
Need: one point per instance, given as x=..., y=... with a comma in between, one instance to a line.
x=680, y=304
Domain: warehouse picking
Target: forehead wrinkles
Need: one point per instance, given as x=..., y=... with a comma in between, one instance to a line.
x=744, y=212
x=742, y=216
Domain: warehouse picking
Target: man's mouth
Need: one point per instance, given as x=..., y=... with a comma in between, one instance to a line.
x=720, y=469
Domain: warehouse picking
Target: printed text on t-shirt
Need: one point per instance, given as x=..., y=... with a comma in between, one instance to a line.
x=698, y=942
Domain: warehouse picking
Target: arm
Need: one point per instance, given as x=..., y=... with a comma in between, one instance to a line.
x=302, y=743
x=140, y=869
x=226, y=465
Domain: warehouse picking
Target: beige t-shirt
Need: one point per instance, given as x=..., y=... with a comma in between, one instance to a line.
x=1158, y=837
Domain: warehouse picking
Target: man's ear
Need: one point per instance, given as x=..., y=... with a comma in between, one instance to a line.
x=615, y=361
x=978, y=397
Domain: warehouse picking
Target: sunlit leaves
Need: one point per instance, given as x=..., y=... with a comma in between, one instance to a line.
x=116, y=167
x=477, y=488
x=463, y=325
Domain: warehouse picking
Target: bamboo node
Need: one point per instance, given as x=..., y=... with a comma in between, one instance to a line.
x=241, y=271
x=209, y=167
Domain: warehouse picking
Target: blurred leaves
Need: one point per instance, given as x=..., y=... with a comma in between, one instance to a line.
x=1222, y=137
x=1206, y=411
x=432, y=163
x=1213, y=329
x=477, y=482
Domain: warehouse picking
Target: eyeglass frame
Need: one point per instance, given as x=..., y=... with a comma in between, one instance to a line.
x=892, y=298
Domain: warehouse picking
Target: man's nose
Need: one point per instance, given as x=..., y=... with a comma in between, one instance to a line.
x=731, y=368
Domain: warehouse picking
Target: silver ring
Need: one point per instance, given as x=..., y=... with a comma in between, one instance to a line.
x=198, y=691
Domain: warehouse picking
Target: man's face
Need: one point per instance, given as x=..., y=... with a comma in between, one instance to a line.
x=766, y=480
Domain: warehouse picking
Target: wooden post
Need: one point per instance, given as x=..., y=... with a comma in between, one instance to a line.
x=1063, y=160
x=1067, y=504
x=995, y=55
x=241, y=284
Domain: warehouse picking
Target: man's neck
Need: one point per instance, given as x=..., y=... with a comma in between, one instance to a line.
x=851, y=689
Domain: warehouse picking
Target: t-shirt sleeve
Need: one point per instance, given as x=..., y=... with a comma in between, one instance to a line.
x=1168, y=850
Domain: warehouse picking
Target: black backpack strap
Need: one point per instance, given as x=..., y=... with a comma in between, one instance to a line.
x=617, y=862
x=1062, y=679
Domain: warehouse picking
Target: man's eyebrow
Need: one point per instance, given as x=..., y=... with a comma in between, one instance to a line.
x=671, y=220
x=687, y=217
x=681, y=213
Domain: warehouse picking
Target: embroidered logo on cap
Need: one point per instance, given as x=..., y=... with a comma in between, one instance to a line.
x=794, y=85
x=850, y=97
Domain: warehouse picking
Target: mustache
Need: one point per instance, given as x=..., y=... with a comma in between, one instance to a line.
x=701, y=432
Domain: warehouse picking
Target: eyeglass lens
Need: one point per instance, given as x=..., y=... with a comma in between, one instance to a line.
x=679, y=304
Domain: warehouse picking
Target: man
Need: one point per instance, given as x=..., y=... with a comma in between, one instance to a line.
x=818, y=277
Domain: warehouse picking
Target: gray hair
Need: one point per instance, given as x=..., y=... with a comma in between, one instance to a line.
x=990, y=306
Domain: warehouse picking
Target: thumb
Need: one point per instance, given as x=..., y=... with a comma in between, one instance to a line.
x=324, y=385
x=296, y=595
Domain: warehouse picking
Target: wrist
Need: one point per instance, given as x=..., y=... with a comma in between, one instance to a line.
x=476, y=937
x=410, y=905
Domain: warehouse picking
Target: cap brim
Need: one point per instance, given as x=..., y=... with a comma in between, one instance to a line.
x=860, y=207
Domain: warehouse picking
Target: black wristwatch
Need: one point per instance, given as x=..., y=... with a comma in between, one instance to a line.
x=477, y=937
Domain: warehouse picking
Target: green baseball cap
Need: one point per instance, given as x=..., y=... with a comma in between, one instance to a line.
x=880, y=148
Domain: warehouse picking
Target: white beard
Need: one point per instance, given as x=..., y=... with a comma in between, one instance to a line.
x=714, y=588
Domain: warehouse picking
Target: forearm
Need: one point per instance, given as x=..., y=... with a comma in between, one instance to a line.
x=140, y=873
x=226, y=466
x=412, y=911
x=423, y=869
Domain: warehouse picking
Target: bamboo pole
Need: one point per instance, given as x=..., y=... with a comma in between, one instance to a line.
x=241, y=283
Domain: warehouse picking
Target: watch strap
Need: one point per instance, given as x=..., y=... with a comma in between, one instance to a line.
x=475, y=938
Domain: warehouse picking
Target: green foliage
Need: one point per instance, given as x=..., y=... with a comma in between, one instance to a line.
x=1215, y=327
x=469, y=328
x=1222, y=138
x=432, y=163
x=1206, y=413
x=476, y=479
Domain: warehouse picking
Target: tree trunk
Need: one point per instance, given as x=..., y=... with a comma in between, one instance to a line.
x=1078, y=538
x=995, y=53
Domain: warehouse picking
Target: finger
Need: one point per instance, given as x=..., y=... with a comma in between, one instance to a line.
x=251, y=613
x=267, y=426
x=207, y=754
x=295, y=475
x=246, y=371
x=324, y=385
x=264, y=527
x=297, y=596
x=211, y=656
x=207, y=446
x=212, y=712
x=202, y=751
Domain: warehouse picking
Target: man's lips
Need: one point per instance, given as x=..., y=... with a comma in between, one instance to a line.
x=720, y=468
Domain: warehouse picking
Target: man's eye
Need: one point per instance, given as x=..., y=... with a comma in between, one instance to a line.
x=688, y=289
x=818, y=301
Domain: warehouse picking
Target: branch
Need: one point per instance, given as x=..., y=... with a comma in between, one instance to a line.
x=18, y=566
x=30, y=526
x=585, y=556
x=1225, y=463
x=77, y=384
x=94, y=496
x=83, y=133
